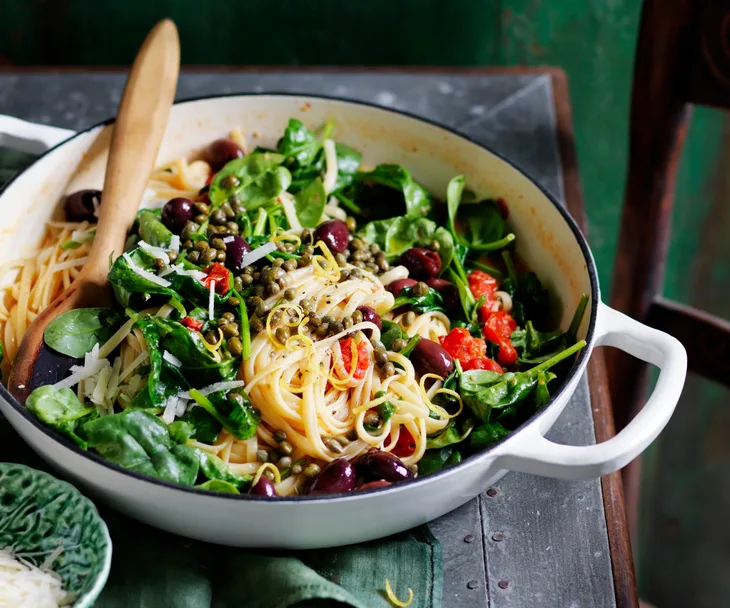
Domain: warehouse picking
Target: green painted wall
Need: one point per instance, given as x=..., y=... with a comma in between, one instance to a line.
x=594, y=41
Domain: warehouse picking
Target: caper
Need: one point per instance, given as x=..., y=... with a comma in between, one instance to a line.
x=344, y=275
x=413, y=468
x=256, y=325
x=286, y=448
x=218, y=243
x=246, y=280
x=290, y=294
x=278, y=262
x=381, y=356
x=249, y=270
x=355, y=273
x=357, y=317
x=233, y=302
x=290, y=265
x=383, y=265
x=323, y=330
x=327, y=319
x=194, y=257
x=377, y=344
x=272, y=289
x=218, y=217
x=284, y=463
x=420, y=289
x=200, y=218
x=188, y=231
x=256, y=275
x=409, y=318
x=314, y=319
x=333, y=446
x=159, y=263
x=270, y=474
x=223, y=321
x=279, y=436
x=211, y=230
x=259, y=290
x=209, y=255
x=220, y=256
x=237, y=284
x=230, y=181
x=399, y=344
x=201, y=207
x=347, y=322
x=232, y=227
x=229, y=317
x=388, y=369
x=172, y=255
x=312, y=470
x=201, y=246
x=235, y=346
x=262, y=455
x=338, y=327
x=230, y=330
x=305, y=260
x=188, y=244
x=371, y=419
x=282, y=334
x=351, y=223
x=276, y=316
x=297, y=469
x=358, y=243
x=227, y=210
x=306, y=235
x=340, y=259
x=281, y=282
x=236, y=205
x=212, y=337
x=435, y=245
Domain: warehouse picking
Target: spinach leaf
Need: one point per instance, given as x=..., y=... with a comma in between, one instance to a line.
x=450, y=436
x=572, y=334
x=309, y=203
x=164, y=379
x=255, y=180
x=180, y=431
x=484, y=391
x=61, y=410
x=126, y=282
x=537, y=346
x=76, y=332
x=232, y=409
x=397, y=235
x=429, y=302
x=410, y=345
x=435, y=460
x=298, y=143
x=390, y=333
x=348, y=164
x=416, y=197
x=152, y=230
x=216, y=485
x=214, y=468
x=483, y=222
x=530, y=300
x=205, y=428
x=542, y=394
x=487, y=435
x=385, y=412
x=139, y=441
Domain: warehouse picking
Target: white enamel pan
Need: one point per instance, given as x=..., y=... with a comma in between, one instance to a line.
x=547, y=238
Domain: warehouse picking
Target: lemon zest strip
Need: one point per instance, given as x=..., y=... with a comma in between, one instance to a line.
x=394, y=599
x=267, y=465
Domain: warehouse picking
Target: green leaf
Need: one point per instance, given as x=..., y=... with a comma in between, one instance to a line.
x=487, y=435
x=309, y=203
x=205, y=428
x=232, y=409
x=152, y=230
x=416, y=198
x=180, y=431
x=572, y=334
x=348, y=164
x=216, y=485
x=483, y=224
x=139, y=441
x=76, y=332
x=214, y=468
x=410, y=345
x=61, y=410
x=299, y=143
x=429, y=302
x=537, y=346
x=450, y=436
x=435, y=460
x=397, y=235
x=542, y=394
x=390, y=333
x=385, y=412
x=256, y=179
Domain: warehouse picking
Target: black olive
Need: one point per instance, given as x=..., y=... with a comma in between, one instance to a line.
x=80, y=206
x=220, y=152
x=176, y=213
x=334, y=234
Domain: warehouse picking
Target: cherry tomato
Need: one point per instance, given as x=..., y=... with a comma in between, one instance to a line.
x=482, y=284
x=461, y=345
x=406, y=445
x=482, y=363
x=218, y=273
x=211, y=177
x=194, y=324
x=498, y=328
x=363, y=358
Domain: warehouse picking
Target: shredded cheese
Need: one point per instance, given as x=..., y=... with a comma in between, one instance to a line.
x=175, y=243
x=287, y=203
x=92, y=366
x=153, y=278
x=260, y=252
x=330, y=157
x=170, y=358
x=157, y=252
x=23, y=584
x=211, y=301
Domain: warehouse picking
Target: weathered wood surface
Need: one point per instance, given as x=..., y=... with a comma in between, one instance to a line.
x=529, y=541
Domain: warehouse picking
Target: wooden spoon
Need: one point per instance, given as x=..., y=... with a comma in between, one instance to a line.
x=136, y=136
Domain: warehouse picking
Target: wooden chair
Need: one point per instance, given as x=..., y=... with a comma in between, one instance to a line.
x=682, y=59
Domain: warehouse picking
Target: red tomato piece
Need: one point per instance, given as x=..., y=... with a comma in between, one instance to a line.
x=482, y=363
x=482, y=284
x=406, y=445
x=194, y=324
x=211, y=177
x=498, y=328
x=219, y=273
x=461, y=345
x=363, y=358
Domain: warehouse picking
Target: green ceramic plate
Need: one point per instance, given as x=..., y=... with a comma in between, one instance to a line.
x=39, y=512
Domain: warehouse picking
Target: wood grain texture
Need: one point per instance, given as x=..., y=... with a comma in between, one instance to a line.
x=611, y=485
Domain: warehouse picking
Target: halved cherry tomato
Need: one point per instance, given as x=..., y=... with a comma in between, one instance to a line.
x=218, y=273
x=498, y=328
x=482, y=363
x=406, y=445
x=194, y=324
x=461, y=345
x=482, y=284
x=363, y=357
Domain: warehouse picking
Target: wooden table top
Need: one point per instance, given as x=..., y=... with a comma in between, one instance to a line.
x=528, y=541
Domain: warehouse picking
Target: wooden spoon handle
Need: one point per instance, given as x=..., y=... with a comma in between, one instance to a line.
x=138, y=130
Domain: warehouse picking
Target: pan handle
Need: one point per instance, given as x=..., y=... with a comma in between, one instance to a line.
x=530, y=452
x=30, y=137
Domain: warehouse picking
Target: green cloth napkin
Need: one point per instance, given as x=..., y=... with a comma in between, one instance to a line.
x=155, y=569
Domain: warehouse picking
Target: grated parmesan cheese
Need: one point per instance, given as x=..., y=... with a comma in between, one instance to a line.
x=170, y=358
x=260, y=252
x=175, y=243
x=153, y=278
x=330, y=174
x=92, y=366
x=24, y=585
x=287, y=203
x=157, y=252
x=211, y=301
